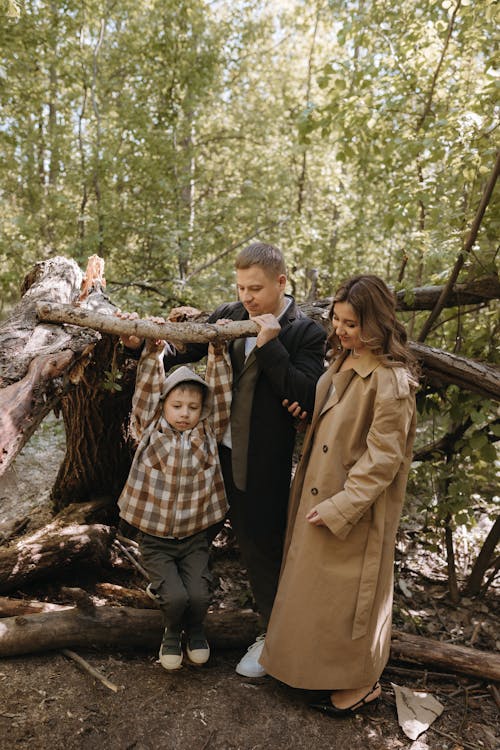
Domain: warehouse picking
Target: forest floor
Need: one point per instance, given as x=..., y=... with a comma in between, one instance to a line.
x=47, y=703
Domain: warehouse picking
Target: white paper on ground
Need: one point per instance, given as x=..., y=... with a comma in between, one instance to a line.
x=416, y=710
x=419, y=745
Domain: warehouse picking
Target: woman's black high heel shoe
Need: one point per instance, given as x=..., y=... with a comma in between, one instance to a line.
x=326, y=706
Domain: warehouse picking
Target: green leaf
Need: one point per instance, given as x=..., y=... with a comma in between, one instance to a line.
x=489, y=452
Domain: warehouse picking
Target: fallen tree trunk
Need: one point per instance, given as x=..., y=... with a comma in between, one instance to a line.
x=21, y=336
x=45, y=365
x=38, y=555
x=74, y=368
x=126, y=627
x=117, y=627
x=442, y=368
x=474, y=292
x=10, y=607
x=105, y=593
x=470, y=661
x=34, y=358
x=67, y=540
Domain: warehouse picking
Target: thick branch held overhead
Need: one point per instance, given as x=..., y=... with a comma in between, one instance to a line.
x=187, y=332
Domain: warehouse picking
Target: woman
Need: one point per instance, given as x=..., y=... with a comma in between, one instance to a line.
x=330, y=627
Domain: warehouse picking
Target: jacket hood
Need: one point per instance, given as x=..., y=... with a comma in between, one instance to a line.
x=184, y=374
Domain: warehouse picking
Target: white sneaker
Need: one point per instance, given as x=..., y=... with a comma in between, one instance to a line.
x=249, y=665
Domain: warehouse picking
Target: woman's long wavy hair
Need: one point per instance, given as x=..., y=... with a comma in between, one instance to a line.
x=375, y=307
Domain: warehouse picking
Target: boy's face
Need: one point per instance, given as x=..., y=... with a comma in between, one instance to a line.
x=182, y=408
x=260, y=292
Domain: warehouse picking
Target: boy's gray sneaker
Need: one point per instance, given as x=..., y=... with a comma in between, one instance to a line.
x=171, y=650
x=249, y=665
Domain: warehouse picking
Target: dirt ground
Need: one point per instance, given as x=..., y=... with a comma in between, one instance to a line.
x=48, y=703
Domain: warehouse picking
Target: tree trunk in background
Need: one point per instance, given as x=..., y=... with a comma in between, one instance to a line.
x=75, y=537
x=47, y=366
x=96, y=416
x=483, y=562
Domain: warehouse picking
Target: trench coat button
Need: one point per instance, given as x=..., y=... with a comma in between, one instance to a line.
x=325, y=449
x=314, y=491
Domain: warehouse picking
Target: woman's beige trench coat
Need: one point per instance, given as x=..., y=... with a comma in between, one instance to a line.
x=331, y=623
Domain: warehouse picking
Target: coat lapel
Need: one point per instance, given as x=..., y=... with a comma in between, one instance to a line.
x=333, y=384
x=238, y=356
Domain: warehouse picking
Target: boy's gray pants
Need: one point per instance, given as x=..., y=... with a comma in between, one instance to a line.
x=179, y=574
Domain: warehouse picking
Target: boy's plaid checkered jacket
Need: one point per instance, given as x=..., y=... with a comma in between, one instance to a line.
x=175, y=486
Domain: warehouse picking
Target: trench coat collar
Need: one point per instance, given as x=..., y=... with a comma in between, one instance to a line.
x=331, y=389
x=363, y=366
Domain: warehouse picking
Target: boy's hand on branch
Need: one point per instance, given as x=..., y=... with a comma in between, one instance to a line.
x=155, y=344
x=131, y=342
x=220, y=344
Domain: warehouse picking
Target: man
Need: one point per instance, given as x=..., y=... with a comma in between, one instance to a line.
x=283, y=361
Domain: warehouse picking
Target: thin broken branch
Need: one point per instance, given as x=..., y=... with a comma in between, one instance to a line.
x=90, y=669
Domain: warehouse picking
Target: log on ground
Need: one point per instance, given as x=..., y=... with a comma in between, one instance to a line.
x=63, y=542
x=460, y=659
x=114, y=627
x=10, y=607
x=102, y=593
x=126, y=627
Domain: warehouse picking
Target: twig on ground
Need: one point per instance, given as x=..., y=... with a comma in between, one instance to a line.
x=130, y=557
x=464, y=714
x=475, y=633
x=424, y=673
x=210, y=737
x=495, y=694
x=127, y=542
x=90, y=669
x=453, y=738
x=465, y=687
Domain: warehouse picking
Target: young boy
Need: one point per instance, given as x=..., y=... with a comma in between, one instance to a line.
x=175, y=491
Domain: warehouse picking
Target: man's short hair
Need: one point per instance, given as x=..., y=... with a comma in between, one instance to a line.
x=268, y=257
